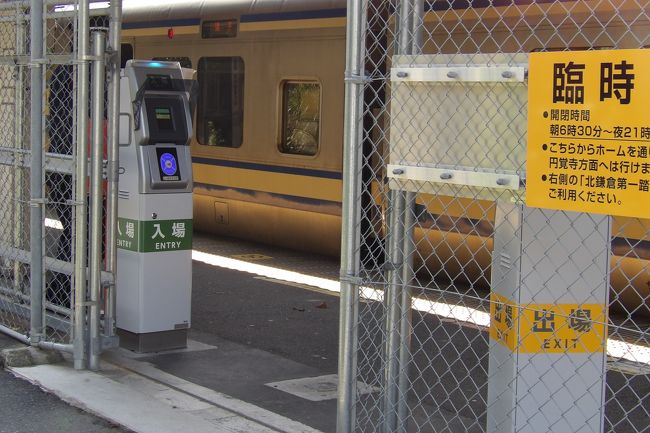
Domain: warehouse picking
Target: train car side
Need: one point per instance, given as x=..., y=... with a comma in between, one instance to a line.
x=254, y=191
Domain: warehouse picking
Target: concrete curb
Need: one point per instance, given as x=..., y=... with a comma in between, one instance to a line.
x=28, y=356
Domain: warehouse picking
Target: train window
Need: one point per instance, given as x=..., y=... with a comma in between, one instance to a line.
x=185, y=62
x=300, y=117
x=126, y=52
x=220, y=118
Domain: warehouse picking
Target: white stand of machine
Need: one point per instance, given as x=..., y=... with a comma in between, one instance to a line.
x=154, y=279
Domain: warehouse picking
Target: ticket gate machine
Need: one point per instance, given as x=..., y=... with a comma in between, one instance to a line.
x=154, y=256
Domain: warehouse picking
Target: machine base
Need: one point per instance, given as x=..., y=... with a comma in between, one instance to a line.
x=153, y=341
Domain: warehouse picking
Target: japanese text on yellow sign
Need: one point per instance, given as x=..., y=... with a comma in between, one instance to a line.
x=589, y=132
x=547, y=328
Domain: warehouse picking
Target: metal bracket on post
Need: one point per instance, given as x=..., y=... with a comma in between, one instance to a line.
x=454, y=177
x=460, y=73
x=38, y=202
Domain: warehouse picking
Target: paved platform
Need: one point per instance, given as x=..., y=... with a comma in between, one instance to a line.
x=138, y=396
x=262, y=355
x=247, y=329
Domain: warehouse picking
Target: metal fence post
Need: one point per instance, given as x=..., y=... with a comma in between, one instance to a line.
x=351, y=217
x=393, y=310
x=80, y=255
x=96, y=195
x=401, y=249
x=409, y=43
x=19, y=133
x=113, y=163
x=406, y=313
x=36, y=172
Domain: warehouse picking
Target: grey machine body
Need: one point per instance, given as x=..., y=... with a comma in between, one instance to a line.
x=154, y=259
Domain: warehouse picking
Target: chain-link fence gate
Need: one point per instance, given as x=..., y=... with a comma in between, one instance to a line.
x=462, y=308
x=58, y=162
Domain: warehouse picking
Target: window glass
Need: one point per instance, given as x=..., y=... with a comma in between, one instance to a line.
x=127, y=54
x=300, y=117
x=220, y=118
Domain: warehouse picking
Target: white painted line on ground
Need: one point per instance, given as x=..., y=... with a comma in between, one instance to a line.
x=317, y=388
x=615, y=348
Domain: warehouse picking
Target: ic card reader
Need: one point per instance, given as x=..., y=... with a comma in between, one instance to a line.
x=154, y=256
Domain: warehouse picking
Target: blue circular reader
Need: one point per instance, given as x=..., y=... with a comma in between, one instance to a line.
x=168, y=164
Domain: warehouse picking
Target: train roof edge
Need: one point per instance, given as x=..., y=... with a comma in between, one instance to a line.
x=186, y=10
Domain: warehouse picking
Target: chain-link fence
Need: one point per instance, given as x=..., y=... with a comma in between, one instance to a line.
x=464, y=309
x=14, y=109
x=56, y=281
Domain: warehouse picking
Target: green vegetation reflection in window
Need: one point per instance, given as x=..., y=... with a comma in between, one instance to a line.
x=220, y=112
x=300, y=118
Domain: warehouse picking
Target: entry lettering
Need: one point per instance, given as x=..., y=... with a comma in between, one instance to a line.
x=170, y=245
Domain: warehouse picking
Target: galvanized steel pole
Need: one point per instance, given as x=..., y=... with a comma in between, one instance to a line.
x=401, y=250
x=19, y=134
x=96, y=194
x=81, y=159
x=36, y=172
x=113, y=164
x=406, y=313
x=393, y=311
x=351, y=216
x=406, y=316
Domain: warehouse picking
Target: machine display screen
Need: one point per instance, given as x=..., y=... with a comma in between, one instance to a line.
x=164, y=118
x=159, y=82
x=168, y=164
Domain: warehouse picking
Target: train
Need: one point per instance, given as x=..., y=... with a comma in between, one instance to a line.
x=267, y=150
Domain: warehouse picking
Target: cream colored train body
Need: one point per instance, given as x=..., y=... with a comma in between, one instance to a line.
x=258, y=189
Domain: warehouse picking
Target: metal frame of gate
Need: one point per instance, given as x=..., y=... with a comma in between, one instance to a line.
x=59, y=74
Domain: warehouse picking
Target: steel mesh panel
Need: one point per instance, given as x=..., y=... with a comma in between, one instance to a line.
x=430, y=361
x=59, y=165
x=14, y=175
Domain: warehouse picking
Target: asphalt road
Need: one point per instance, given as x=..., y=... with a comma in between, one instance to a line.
x=25, y=408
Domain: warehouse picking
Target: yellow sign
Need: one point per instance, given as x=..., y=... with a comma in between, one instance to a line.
x=589, y=132
x=504, y=317
x=548, y=328
x=562, y=328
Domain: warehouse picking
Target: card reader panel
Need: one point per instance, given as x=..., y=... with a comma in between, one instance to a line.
x=166, y=119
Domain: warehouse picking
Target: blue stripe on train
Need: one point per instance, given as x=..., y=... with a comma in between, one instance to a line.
x=253, y=193
x=271, y=168
x=328, y=13
x=279, y=16
x=301, y=15
x=162, y=23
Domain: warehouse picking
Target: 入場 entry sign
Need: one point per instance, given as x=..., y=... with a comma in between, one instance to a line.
x=589, y=131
